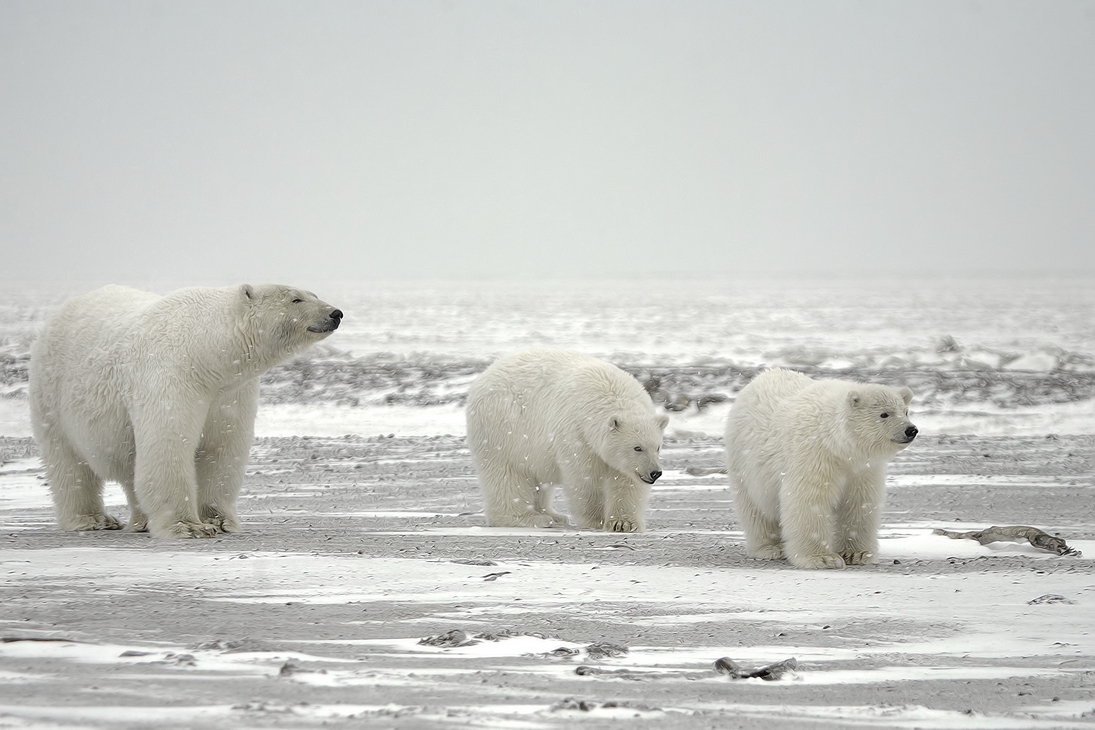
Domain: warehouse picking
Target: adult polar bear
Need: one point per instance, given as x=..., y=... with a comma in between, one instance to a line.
x=807, y=462
x=543, y=417
x=160, y=395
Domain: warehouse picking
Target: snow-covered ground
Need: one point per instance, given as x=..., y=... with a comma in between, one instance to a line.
x=365, y=536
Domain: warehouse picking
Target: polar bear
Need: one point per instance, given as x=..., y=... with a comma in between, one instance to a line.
x=807, y=464
x=545, y=417
x=160, y=395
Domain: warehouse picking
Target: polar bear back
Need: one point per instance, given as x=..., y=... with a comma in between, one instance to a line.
x=552, y=390
x=538, y=406
x=783, y=413
x=79, y=360
x=86, y=333
x=98, y=345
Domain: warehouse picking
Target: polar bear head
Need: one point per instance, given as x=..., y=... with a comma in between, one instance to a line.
x=286, y=319
x=878, y=417
x=632, y=442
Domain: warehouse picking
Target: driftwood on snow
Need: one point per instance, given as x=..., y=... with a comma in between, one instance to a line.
x=1015, y=533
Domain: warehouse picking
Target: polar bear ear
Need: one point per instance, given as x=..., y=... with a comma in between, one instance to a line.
x=247, y=291
x=906, y=395
x=663, y=421
x=853, y=398
x=614, y=423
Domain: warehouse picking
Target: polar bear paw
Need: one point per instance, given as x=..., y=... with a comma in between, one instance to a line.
x=189, y=529
x=821, y=561
x=622, y=525
x=767, y=552
x=864, y=557
x=220, y=521
x=558, y=518
x=547, y=520
x=99, y=521
x=138, y=520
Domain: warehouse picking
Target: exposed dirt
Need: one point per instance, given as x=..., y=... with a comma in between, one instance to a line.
x=360, y=503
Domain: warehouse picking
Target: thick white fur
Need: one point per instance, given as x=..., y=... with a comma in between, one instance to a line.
x=544, y=417
x=807, y=464
x=160, y=395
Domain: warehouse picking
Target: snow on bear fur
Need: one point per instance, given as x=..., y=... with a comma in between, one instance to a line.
x=160, y=395
x=807, y=464
x=544, y=417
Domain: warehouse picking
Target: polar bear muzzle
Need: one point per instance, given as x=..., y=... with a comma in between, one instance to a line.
x=329, y=324
x=908, y=435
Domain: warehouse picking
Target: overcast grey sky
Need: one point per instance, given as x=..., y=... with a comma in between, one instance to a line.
x=223, y=141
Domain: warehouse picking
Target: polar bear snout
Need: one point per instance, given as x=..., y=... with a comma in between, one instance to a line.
x=334, y=319
x=908, y=435
x=651, y=477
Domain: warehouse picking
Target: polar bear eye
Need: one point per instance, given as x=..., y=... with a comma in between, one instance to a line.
x=638, y=448
x=297, y=301
x=885, y=415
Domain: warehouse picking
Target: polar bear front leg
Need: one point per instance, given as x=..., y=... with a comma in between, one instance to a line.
x=805, y=515
x=165, y=484
x=858, y=516
x=77, y=491
x=221, y=458
x=625, y=503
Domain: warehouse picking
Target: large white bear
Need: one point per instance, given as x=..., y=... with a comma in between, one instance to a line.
x=544, y=417
x=160, y=395
x=807, y=463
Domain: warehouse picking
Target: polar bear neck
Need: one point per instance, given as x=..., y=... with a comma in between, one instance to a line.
x=228, y=349
x=259, y=351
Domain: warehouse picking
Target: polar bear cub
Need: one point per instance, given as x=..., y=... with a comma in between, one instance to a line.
x=160, y=395
x=807, y=464
x=545, y=417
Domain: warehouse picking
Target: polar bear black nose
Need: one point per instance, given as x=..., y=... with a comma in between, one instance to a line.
x=910, y=432
x=654, y=476
x=337, y=314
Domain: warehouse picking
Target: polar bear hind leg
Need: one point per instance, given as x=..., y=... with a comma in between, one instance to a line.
x=762, y=535
x=77, y=491
x=512, y=498
x=138, y=520
x=543, y=497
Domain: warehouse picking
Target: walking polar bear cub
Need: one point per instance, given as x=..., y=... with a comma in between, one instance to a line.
x=807, y=464
x=544, y=417
x=160, y=395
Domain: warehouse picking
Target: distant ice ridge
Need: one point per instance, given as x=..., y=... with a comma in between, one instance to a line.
x=948, y=377
x=1001, y=347
x=945, y=354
